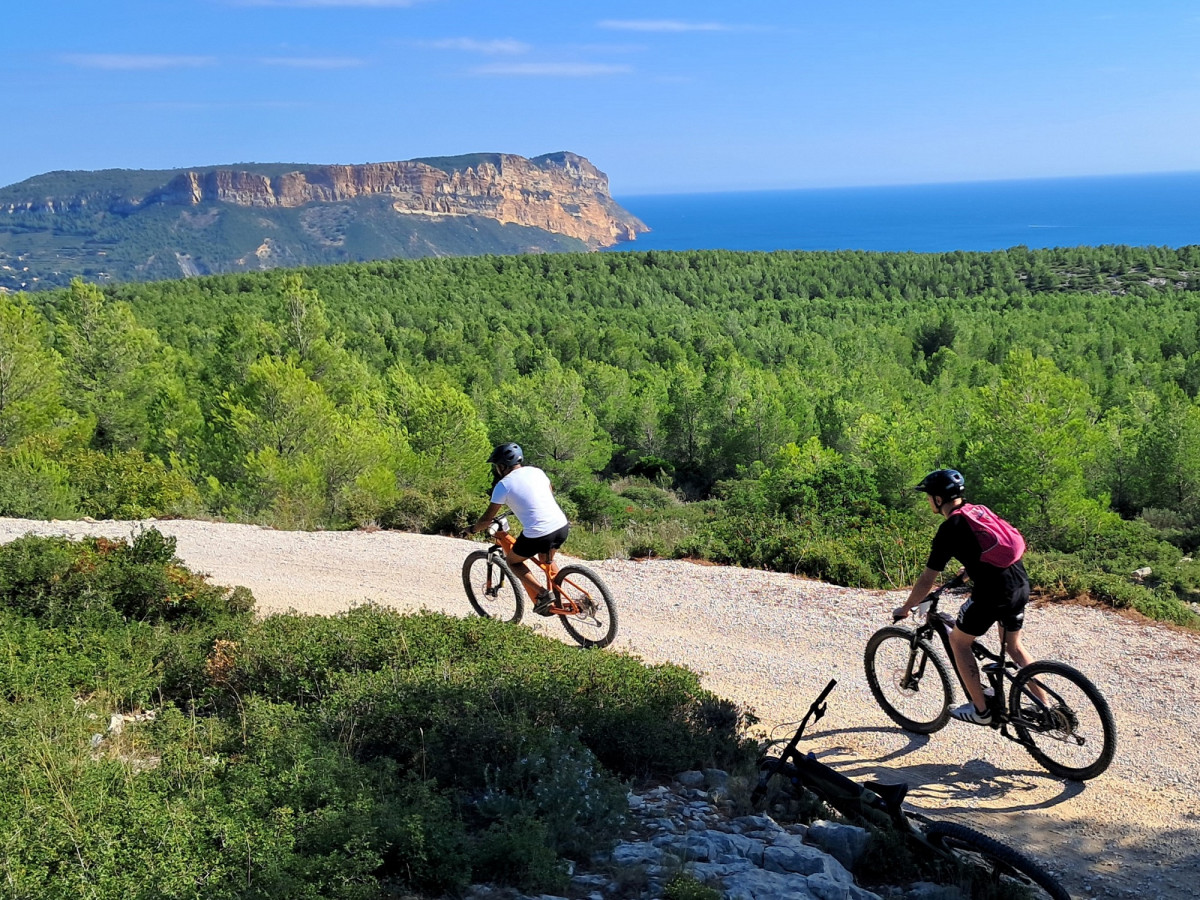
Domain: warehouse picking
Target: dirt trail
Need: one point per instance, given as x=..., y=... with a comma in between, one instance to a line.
x=771, y=641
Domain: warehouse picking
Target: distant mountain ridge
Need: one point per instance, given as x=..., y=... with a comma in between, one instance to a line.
x=118, y=225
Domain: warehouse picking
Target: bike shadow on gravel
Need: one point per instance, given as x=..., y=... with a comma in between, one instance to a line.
x=944, y=785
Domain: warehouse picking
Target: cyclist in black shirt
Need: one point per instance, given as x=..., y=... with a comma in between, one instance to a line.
x=997, y=595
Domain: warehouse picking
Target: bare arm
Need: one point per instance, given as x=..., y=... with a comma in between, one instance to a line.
x=486, y=519
x=919, y=592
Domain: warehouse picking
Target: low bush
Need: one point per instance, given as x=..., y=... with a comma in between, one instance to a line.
x=129, y=485
x=351, y=757
x=34, y=486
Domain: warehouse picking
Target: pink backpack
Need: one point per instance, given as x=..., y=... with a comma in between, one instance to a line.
x=1000, y=544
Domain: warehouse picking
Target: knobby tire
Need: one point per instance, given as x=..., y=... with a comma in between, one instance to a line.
x=596, y=626
x=1000, y=861
x=1055, y=745
x=507, y=602
x=923, y=709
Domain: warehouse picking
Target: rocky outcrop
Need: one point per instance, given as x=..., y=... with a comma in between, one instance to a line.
x=562, y=193
x=690, y=827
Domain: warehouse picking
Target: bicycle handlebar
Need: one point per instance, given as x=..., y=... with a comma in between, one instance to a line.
x=923, y=607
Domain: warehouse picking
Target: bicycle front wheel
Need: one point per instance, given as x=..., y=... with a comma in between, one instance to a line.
x=492, y=587
x=1070, y=729
x=991, y=862
x=595, y=625
x=910, y=683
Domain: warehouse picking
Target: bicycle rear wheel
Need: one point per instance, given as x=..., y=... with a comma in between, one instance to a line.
x=995, y=863
x=916, y=702
x=492, y=587
x=595, y=625
x=1073, y=735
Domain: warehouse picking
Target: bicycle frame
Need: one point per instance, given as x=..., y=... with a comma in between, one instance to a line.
x=502, y=543
x=843, y=794
x=996, y=668
x=881, y=805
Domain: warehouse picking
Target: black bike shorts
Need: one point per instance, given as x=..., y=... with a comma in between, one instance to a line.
x=527, y=547
x=976, y=616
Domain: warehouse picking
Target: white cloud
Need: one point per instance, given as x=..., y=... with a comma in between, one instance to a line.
x=554, y=70
x=201, y=106
x=136, y=61
x=499, y=47
x=312, y=62
x=665, y=25
x=610, y=48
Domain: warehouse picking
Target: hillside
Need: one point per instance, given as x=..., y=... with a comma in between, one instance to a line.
x=771, y=640
x=125, y=225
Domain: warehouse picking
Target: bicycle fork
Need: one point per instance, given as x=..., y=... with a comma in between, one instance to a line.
x=915, y=670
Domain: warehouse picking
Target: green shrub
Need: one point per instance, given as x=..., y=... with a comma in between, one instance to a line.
x=355, y=756
x=686, y=887
x=33, y=486
x=58, y=581
x=516, y=851
x=645, y=495
x=596, y=502
x=129, y=485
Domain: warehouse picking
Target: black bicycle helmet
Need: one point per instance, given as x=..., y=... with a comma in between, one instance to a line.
x=507, y=455
x=944, y=483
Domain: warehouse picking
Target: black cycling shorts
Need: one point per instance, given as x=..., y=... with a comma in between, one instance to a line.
x=527, y=547
x=976, y=616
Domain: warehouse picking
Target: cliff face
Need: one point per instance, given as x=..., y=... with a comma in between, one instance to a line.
x=562, y=193
x=138, y=225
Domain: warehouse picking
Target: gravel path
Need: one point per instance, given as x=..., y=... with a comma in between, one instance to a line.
x=772, y=641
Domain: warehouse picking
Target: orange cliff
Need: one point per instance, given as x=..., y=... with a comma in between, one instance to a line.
x=562, y=193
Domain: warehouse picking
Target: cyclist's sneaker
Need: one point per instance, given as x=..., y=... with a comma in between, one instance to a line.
x=542, y=604
x=968, y=713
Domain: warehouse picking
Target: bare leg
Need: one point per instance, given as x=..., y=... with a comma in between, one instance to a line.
x=1019, y=655
x=968, y=668
x=521, y=568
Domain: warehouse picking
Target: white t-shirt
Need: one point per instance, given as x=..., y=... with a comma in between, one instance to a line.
x=527, y=493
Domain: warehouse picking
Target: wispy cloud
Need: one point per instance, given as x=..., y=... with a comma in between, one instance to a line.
x=136, y=61
x=500, y=47
x=201, y=106
x=664, y=25
x=553, y=70
x=312, y=62
x=610, y=48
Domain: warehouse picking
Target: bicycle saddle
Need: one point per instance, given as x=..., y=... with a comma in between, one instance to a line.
x=891, y=794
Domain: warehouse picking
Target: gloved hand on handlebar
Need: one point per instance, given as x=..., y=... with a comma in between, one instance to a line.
x=900, y=613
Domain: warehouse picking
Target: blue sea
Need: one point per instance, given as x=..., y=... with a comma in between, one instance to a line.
x=1162, y=210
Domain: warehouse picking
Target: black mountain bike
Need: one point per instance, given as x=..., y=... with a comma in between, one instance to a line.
x=1051, y=710
x=880, y=806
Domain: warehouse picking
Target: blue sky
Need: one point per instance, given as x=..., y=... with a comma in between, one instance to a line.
x=663, y=96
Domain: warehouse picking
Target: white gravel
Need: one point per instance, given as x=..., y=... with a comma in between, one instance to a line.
x=772, y=641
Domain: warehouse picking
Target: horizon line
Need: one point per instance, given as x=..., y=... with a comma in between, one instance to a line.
x=911, y=184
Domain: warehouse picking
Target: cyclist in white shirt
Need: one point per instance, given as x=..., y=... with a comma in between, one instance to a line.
x=527, y=492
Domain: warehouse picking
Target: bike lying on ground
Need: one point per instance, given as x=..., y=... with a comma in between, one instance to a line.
x=1053, y=711
x=581, y=599
x=934, y=844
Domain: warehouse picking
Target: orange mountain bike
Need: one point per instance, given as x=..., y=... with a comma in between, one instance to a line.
x=581, y=599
